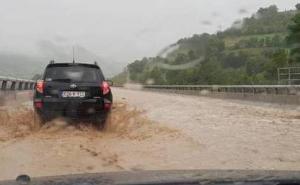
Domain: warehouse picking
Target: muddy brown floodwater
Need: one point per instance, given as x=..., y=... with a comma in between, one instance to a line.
x=153, y=131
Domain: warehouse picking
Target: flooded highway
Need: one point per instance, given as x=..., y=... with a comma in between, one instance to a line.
x=152, y=131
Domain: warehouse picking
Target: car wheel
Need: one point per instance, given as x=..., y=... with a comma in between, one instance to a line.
x=39, y=120
x=102, y=120
x=99, y=122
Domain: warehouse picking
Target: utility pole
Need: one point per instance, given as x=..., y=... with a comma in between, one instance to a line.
x=73, y=55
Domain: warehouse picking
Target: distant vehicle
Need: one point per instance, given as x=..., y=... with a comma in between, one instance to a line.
x=74, y=90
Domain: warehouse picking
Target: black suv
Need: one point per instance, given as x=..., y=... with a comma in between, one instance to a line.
x=74, y=90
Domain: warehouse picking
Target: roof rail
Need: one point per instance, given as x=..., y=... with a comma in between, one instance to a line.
x=52, y=61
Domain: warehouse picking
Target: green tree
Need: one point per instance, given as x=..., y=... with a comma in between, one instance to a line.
x=268, y=42
x=276, y=41
x=255, y=65
x=155, y=76
x=293, y=38
x=279, y=59
x=192, y=55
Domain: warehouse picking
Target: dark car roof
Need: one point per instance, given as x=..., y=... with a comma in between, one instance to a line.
x=72, y=64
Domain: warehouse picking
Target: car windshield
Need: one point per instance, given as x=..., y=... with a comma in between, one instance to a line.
x=115, y=86
x=72, y=74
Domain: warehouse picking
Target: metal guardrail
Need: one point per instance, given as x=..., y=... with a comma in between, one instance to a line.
x=12, y=84
x=281, y=94
x=244, y=89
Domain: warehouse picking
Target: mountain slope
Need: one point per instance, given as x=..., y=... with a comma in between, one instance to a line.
x=249, y=52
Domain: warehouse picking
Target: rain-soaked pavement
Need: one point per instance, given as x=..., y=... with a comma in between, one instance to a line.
x=152, y=131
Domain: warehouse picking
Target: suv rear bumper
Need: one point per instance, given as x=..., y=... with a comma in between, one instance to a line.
x=81, y=108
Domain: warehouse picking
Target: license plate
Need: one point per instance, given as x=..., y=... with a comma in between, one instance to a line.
x=73, y=94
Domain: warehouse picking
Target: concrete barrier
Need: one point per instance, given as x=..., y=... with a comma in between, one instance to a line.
x=12, y=84
x=14, y=89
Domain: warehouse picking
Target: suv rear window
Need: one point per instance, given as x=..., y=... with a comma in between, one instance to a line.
x=73, y=74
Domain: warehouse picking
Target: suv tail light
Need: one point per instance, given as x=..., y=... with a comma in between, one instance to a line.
x=107, y=104
x=105, y=88
x=38, y=104
x=40, y=85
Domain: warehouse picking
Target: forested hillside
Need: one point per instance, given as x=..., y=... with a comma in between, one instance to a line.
x=249, y=52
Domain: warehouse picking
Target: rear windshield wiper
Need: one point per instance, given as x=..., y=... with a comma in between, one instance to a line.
x=62, y=80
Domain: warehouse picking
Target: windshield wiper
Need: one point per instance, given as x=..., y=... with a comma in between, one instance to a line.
x=62, y=80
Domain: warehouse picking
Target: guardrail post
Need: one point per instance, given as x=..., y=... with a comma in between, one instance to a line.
x=20, y=86
x=26, y=86
x=3, y=86
x=31, y=85
x=13, y=85
x=289, y=76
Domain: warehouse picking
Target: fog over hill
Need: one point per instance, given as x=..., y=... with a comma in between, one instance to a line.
x=27, y=65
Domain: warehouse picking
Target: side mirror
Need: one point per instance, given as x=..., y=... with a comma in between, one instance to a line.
x=110, y=83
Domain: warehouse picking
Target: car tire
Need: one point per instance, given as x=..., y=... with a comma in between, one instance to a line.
x=39, y=120
x=102, y=120
x=99, y=122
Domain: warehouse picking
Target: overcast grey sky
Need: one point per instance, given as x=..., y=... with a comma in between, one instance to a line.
x=122, y=30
